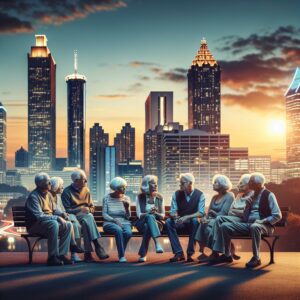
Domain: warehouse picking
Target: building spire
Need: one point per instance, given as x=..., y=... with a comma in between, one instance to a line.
x=75, y=62
x=204, y=56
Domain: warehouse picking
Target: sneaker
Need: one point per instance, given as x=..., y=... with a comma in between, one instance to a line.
x=54, y=261
x=142, y=259
x=122, y=260
x=100, y=252
x=159, y=248
x=88, y=258
x=177, y=257
x=236, y=257
x=75, y=248
x=254, y=262
x=75, y=258
x=202, y=257
x=65, y=260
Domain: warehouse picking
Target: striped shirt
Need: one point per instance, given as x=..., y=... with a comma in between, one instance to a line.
x=113, y=208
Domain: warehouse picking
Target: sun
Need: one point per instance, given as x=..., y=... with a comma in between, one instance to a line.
x=276, y=127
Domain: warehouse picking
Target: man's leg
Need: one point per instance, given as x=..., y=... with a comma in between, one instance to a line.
x=64, y=238
x=172, y=233
x=192, y=227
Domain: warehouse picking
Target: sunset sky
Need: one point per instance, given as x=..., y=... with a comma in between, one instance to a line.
x=128, y=48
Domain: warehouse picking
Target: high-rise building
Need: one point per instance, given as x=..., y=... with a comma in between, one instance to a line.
x=13, y=178
x=3, y=142
x=132, y=172
x=98, y=140
x=41, y=106
x=292, y=97
x=60, y=163
x=158, y=109
x=261, y=164
x=76, y=117
x=202, y=154
x=278, y=171
x=21, y=158
x=153, y=150
x=125, y=143
x=204, y=85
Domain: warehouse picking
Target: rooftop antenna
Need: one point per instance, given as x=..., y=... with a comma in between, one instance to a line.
x=75, y=62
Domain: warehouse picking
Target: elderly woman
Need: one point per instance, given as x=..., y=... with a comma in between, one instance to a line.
x=219, y=206
x=235, y=214
x=57, y=186
x=116, y=214
x=150, y=212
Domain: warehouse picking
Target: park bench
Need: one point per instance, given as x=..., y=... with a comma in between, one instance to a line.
x=19, y=221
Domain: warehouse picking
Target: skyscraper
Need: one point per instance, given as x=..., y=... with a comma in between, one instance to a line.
x=21, y=158
x=76, y=117
x=125, y=143
x=158, y=109
x=2, y=143
x=41, y=106
x=261, y=164
x=292, y=97
x=98, y=141
x=204, y=85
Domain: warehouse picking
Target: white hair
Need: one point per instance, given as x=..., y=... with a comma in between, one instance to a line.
x=258, y=178
x=77, y=174
x=56, y=183
x=41, y=177
x=223, y=181
x=244, y=179
x=145, y=183
x=188, y=177
x=117, y=183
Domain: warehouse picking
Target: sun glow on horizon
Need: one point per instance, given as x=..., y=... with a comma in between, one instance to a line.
x=276, y=127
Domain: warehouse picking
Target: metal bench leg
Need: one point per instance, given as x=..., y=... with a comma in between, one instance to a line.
x=29, y=249
x=273, y=249
x=270, y=249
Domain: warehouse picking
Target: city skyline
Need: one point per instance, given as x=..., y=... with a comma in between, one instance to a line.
x=253, y=82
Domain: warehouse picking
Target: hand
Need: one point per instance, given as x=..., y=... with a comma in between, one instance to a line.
x=204, y=220
x=65, y=216
x=153, y=210
x=85, y=210
x=212, y=213
x=182, y=220
x=259, y=221
x=118, y=222
x=62, y=222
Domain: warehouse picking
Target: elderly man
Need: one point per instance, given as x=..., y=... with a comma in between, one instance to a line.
x=41, y=220
x=260, y=215
x=186, y=207
x=77, y=200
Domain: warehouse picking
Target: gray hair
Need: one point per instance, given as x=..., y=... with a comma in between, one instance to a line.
x=188, y=177
x=77, y=174
x=258, y=178
x=223, y=181
x=117, y=183
x=41, y=177
x=145, y=183
x=56, y=183
x=244, y=179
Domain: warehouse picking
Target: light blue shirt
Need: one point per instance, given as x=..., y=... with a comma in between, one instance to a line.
x=201, y=205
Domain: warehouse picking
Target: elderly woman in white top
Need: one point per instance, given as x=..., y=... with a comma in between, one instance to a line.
x=150, y=211
x=57, y=186
x=116, y=214
x=219, y=206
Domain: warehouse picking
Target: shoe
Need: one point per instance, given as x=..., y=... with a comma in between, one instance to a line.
x=177, y=257
x=213, y=258
x=54, y=261
x=100, y=252
x=65, y=260
x=202, y=257
x=189, y=259
x=88, y=258
x=75, y=258
x=224, y=259
x=254, y=262
x=75, y=248
x=236, y=257
x=159, y=248
x=122, y=260
x=142, y=259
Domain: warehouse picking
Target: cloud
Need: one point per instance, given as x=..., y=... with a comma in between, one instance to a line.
x=137, y=64
x=15, y=104
x=176, y=75
x=111, y=97
x=25, y=15
x=262, y=68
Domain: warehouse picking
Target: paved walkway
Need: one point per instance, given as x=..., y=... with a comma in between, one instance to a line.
x=156, y=279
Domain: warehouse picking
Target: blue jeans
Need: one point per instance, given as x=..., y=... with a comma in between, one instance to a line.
x=149, y=228
x=122, y=235
x=191, y=226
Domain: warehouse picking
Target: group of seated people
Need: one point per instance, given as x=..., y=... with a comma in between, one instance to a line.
x=66, y=215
